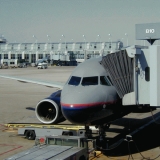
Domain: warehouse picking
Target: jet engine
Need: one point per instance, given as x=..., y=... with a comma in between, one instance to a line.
x=48, y=110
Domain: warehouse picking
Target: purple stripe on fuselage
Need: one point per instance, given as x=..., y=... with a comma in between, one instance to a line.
x=84, y=106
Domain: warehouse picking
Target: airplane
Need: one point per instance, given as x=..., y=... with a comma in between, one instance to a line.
x=87, y=98
x=88, y=93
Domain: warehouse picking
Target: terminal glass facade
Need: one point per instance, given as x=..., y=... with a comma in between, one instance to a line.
x=68, y=51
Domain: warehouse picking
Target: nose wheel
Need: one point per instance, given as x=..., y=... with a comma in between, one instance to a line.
x=101, y=140
x=88, y=132
x=102, y=129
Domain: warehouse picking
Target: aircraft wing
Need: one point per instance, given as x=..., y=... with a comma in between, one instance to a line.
x=24, y=80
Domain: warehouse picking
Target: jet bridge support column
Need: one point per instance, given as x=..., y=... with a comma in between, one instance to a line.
x=154, y=75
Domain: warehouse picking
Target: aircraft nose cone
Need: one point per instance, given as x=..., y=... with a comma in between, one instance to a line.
x=77, y=116
x=78, y=104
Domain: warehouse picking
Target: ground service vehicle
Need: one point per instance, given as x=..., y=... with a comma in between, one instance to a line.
x=56, y=148
x=42, y=65
x=32, y=132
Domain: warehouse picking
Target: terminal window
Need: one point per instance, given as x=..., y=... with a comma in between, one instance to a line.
x=80, y=56
x=26, y=56
x=19, y=56
x=40, y=56
x=5, y=56
x=12, y=56
x=33, y=58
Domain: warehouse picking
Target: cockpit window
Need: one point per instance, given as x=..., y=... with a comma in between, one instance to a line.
x=104, y=81
x=74, y=81
x=90, y=81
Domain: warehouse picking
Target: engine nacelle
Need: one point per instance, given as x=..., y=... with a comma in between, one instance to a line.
x=48, y=112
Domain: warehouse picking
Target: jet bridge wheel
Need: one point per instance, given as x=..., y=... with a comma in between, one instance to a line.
x=30, y=135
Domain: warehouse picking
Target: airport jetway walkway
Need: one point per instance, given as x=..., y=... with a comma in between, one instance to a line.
x=120, y=68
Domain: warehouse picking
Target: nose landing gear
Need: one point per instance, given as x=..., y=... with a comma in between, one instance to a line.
x=88, y=132
x=101, y=140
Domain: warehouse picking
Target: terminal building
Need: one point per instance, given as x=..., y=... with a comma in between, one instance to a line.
x=68, y=52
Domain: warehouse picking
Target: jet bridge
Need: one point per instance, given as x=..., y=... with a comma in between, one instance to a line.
x=135, y=71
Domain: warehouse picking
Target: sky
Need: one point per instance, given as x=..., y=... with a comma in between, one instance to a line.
x=21, y=19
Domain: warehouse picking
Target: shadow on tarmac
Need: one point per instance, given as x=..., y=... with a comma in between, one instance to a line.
x=30, y=108
x=144, y=140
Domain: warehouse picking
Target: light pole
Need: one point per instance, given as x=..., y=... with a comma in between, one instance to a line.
x=50, y=44
x=99, y=37
x=110, y=38
x=122, y=39
x=36, y=45
x=73, y=44
x=101, y=50
x=35, y=38
x=84, y=40
x=49, y=38
x=85, y=47
x=59, y=47
x=126, y=38
x=65, y=43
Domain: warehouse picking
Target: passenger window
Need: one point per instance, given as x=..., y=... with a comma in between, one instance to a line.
x=74, y=81
x=104, y=81
x=90, y=81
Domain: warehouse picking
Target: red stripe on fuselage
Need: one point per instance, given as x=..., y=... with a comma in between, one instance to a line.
x=86, y=104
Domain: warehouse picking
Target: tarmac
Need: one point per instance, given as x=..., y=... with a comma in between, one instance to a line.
x=16, y=97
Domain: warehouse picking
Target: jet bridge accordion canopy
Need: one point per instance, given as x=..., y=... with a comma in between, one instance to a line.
x=119, y=67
